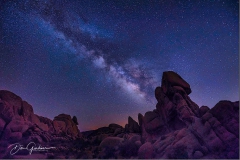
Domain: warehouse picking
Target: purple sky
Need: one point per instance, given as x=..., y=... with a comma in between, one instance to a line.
x=102, y=60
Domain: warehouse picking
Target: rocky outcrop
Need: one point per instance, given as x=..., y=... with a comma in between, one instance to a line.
x=114, y=126
x=172, y=81
x=18, y=122
x=227, y=113
x=203, y=110
x=178, y=128
x=63, y=124
x=132, y=126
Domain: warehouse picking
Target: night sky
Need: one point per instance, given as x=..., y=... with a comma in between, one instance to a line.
x=102, y=60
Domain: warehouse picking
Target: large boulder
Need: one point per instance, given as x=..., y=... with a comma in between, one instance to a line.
x=63, y=124
x=171, y=79
x=109, y=146
x=227, y=113
x=47, y=123
x=6, y=111
x=132, y=126
x=153, y=122
x=203, y=110
x=14, y=129
x=146, y=151
x=35, y=120
x=13, y=100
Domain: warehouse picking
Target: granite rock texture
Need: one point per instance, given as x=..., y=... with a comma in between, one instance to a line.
x=177, y=129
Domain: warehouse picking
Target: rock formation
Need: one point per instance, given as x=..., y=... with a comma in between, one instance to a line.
x=132, y=126
x=177, y=128
x=18, y=122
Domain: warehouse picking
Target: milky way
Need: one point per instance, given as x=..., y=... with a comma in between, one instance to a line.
x=102, y=60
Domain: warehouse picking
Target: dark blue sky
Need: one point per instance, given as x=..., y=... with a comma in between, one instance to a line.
x=102, y=60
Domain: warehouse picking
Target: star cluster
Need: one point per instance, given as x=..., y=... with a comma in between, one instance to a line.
x=101, y=60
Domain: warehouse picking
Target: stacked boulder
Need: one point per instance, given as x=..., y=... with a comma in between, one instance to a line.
x=178, y=128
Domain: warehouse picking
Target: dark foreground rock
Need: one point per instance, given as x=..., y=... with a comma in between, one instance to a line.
x=18, y=123
x=177, y=129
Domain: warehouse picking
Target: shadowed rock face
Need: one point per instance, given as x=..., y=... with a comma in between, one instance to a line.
x=15, y=111
x=227, y=113
x=19, y=123
x=176, y=129
x=132, y=126
x=63, y=124
x=171, y=79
